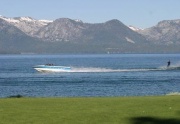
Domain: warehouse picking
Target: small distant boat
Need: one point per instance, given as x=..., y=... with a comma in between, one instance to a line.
x=52, y=68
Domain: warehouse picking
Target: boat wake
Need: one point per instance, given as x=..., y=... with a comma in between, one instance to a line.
x=172, y=67
x=44, y=68
x=91, y=69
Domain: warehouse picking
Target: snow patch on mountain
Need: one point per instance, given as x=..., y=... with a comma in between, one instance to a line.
x=45, y=22
x=27, y=24
x=134, y=28
x=25, y=19
x=129, y=40
x=78, y=20
x=10, y=20
x=29, y=19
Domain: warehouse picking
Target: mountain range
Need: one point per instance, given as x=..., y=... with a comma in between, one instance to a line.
x=64, y=35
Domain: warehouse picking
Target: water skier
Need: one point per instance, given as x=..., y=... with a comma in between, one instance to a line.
x=168, y=63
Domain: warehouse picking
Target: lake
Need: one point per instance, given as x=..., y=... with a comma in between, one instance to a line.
x=92, y=75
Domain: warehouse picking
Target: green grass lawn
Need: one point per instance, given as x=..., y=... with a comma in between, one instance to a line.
x=96, y=110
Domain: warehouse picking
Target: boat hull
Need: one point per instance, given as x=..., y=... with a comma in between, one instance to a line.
x=46, y=68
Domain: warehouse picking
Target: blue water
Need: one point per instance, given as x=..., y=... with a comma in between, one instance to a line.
x=91, y=75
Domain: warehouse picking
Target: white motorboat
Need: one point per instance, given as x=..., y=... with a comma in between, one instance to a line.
x=52, y=68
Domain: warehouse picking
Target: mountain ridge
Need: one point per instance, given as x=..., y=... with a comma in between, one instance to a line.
x=165, y=32
x=65, y=35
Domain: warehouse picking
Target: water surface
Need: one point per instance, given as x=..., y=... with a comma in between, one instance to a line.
x=91, y=75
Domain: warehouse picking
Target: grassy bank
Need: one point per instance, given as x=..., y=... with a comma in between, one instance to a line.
x=115, y=110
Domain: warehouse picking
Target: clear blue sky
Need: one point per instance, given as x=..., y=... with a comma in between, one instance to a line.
x=139, y=13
